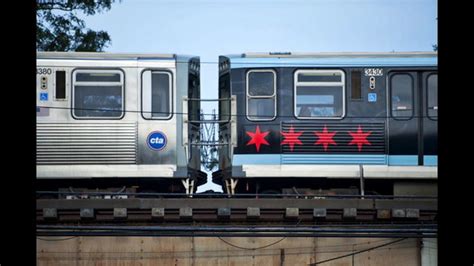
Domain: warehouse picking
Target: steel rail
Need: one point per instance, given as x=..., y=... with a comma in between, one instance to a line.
x=238, y=229
x=227, y=234
x=236, y=196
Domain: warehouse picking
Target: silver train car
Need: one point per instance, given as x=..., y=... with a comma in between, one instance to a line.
x=120, y=117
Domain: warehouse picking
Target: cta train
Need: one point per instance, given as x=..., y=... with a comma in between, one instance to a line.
x=326, y=123
x=333, y=123
x=118, y=120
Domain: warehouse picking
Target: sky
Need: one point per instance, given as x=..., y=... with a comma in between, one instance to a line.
x=209, y=28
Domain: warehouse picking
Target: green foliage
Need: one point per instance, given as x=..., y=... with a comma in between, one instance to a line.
x=60, y=29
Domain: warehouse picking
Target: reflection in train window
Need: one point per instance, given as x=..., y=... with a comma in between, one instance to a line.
x=224, y=92
x=160, y=93
x=156, y=94
x=356, y=86
x=432, y=93
x=98, y=94
x=402, y=95
x=261, y=95
x=98, y=77
x=319, y=94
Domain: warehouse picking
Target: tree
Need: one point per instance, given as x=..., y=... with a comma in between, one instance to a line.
x=435, y=46
x=58, y=27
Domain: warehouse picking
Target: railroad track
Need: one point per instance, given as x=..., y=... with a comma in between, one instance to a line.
x=397, y=231
x=328, y=210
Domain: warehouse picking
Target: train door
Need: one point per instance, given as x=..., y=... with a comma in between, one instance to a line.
x=430, y=118
x=412, y=116
x=157, y=129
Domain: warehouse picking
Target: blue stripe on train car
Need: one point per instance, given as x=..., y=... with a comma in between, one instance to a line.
x=240, y=159
x=333, y=159
x=332, y=62
x=403, y=160
x=430, y=160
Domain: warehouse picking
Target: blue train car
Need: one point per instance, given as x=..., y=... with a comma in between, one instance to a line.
x=330, y=122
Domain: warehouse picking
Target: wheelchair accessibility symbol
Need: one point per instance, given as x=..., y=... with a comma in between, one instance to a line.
x=43, y=96
x=372, y=97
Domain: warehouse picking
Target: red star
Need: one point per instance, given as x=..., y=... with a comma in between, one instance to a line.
x=325, y=138
x=258, y=138
x=360, y=138
x=291, y=138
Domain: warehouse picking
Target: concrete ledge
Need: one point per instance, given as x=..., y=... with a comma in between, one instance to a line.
x=383, y=214
x=398, y=213
x=134, y=203
x=223, y=212
x=157, y=212
x=319, y=213
x=87, y=213
x=120, y=213
x=292, y=213
x=50, y=213
x=412, y=213
x=253, y=212
x=185, y=212
x=349, y=213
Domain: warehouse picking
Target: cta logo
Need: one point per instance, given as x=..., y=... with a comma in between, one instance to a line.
x=156, y=140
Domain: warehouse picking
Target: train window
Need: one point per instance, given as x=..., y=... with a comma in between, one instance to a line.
x=402, y=95
x=98, y=94
x=98, y=77
x=261, y=95
x=193, y=92
x=319, y=94
x=432, y=96
x=261, y=83
x=224, y=92
x=319, y=76
x=60, y=93
x=156, y=94
x=356, y=90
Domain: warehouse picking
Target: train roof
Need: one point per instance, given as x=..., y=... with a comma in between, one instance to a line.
x=110, y=56
x=340, y=59
x=340, y=54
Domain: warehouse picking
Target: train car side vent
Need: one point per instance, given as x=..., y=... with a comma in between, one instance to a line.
x=356, y=91
x=60, y=85
x=86, y=143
